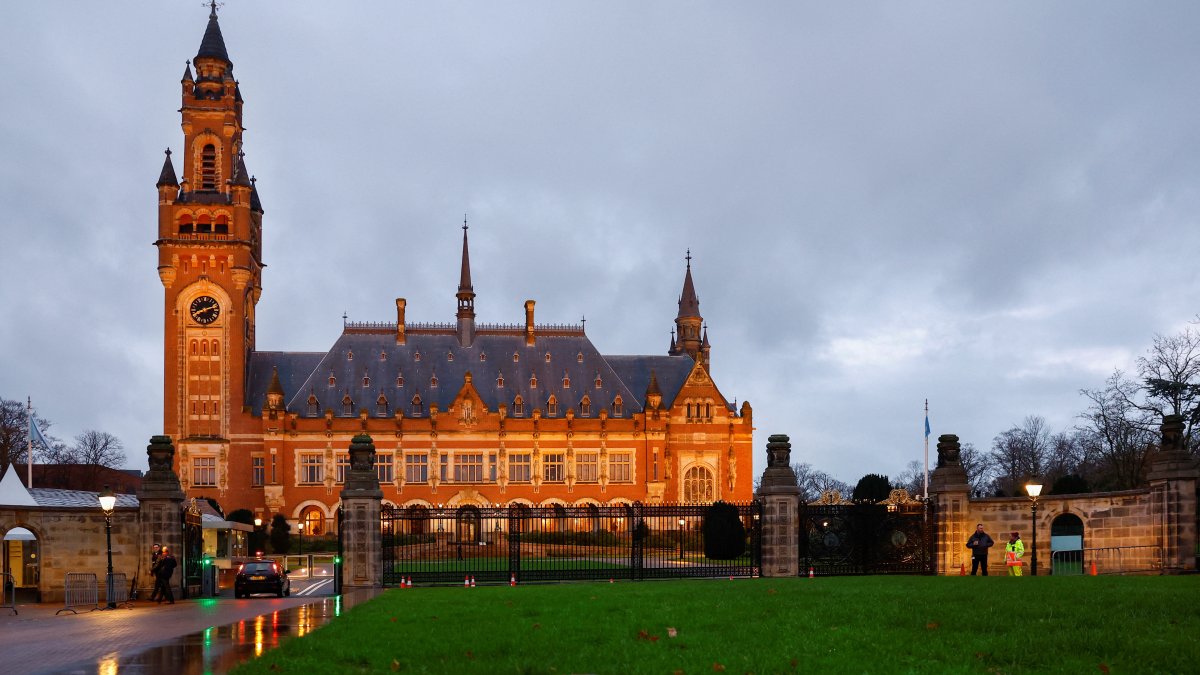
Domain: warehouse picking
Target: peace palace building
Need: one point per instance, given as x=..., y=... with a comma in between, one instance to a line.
x=460, y=413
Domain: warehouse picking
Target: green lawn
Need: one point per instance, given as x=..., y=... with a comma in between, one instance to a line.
x=824, y=625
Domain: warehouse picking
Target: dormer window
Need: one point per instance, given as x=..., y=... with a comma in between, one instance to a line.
x=500, y=380
x=366, y=381
x=599, y=383
x=482, y=356
x=516, y=357
x=547, y=357
x=383, y=356
x=417, y=406
x=585, y=407
x=518, y=407
x=533, y=381
x=347, y=405
x=449, y=356
x=552, y=407
x=350, y=355
x=566, y=381
x=416, y=356
x=399, y=381
x=312, y=405
x=381, y=405
x=618, y=407
x=433, y=381
x=332, y=380
x=579, y=357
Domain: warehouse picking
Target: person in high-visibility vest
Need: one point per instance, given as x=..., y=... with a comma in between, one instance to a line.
x=1013, y=551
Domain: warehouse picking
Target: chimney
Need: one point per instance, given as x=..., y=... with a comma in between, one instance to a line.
x=529, y=339
x=400, y=337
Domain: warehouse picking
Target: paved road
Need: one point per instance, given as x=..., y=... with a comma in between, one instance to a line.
x=203, y=635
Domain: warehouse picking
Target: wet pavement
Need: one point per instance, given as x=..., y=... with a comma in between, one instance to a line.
x=209, y=635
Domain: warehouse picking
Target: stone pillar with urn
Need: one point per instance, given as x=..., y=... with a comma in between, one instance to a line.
x=160, y=500
x=780, y=497
x=362, y=539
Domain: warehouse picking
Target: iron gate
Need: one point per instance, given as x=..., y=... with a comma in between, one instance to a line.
x=868, y=539
x=551, y=543
x=191, y=558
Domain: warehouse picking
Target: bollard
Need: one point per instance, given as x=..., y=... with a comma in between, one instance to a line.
x=512, y=580
x=810, y=573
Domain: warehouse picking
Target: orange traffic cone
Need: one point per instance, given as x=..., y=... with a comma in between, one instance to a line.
x=810, y=573
x=472, y=581
x=962, y=571
x=610, y=580
x=466, y=582
x=512, y=580
x=1093, y=568
x=410, y=581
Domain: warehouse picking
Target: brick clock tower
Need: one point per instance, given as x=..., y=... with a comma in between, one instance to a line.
x=209, y=261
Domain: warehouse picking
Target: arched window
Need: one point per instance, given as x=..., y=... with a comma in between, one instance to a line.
x=366, y=381
x=216, y=348
x=618, y=407
x=698, y=485
x=585, y=407
x=222, y=224
x=533, y=381
x=467, y=524
x=417, y=406
x=313, y=520
x=347, y=405
x=195, y=347
x=313, y=405
x=208, y=167
x=500, y=380
x=381, y=405
x=566, y=381
x=185, y=224
x=204, y=348
x=332, y=380
x=552, y=407
x=518, y=406
x=204, y=224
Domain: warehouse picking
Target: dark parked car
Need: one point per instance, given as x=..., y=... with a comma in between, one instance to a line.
x=261, y=576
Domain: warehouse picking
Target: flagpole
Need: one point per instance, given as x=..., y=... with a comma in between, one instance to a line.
x=29, y=444
x=926, y=448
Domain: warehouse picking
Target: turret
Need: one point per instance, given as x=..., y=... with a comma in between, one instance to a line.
x=688, y=321
x=466, y=298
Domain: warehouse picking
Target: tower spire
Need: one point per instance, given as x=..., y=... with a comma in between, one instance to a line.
x=688, y=321
x=466, y=296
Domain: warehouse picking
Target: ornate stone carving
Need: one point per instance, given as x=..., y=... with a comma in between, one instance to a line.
x=949, y=451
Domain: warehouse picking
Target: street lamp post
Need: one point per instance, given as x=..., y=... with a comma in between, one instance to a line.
x=1034, y=489
x=301, y=528
x=682, y=522
x=257, y=535
x=107, y=501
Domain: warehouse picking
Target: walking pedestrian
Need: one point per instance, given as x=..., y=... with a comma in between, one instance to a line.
x=155, y=555
x=979, y=543
x=1013, y=551
x=162, y=576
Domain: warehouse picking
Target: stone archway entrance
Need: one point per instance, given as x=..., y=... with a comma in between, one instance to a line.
x=22, y=560
x=1066, y=545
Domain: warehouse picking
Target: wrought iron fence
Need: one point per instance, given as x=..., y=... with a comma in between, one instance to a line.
x=847, y=539
x=551, y=543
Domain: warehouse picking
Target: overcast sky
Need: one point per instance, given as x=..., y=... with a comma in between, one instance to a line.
x=989, y=205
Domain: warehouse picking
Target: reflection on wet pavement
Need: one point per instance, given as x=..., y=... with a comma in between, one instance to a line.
x=218, y=649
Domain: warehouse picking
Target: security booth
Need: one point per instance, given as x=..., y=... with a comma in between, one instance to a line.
x=226, y=546
x=20, y=566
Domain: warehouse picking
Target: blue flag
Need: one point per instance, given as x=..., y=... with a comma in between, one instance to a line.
x=926, y=425
x=35, y=434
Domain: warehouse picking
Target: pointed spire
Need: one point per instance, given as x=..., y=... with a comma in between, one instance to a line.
x=704, y=342
x=187, y=72
x=689, y=304
x=255, y=204
x=213, y=44
x=464, y=279
x=276, y=387
x=652, y=387
x=241, y=177
x=167, y=176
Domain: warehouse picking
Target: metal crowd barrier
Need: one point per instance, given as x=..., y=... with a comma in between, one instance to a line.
x=8, y=593
x=1107, y=560
x=117, y=588
x=82, y=590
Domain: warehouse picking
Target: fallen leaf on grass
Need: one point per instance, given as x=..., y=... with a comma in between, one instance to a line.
x=833, y=628
x=794, y=663
x=671, y=632
x=395, y=664
x=932, y=625
x=537, y=626
x=718, y=667
x=470, y=655
x=393, y=619
x=771, y=591
x=643, y=635
x=275, y=667
x=677, y=672
x=1104, y=667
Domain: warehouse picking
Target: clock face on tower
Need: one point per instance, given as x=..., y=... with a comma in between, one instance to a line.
x=205, y=310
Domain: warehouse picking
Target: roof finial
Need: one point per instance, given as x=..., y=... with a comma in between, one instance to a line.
x=688, y=257
x=583, y=322
x=213, y=4
x=464, y=222
x=168, y=152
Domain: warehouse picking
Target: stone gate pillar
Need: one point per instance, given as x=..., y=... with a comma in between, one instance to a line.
x=362, y=541
x=160, y=501
x=952, y=495
x=781, y=511
x=1172, y=479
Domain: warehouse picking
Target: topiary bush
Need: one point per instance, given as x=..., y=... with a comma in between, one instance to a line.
x=872, y=488
x=280, y=534
x=724, y=534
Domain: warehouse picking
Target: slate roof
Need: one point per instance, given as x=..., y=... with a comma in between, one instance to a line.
x=167, y=176
x=77, y=499
x=396, y=372
x=213, y=44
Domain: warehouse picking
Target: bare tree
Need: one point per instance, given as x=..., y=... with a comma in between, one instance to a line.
x=979, y=466
x=1170, y=375
x=814, y=482
x=1116, y=435
x=100, y=448
x=912, y=478
x=1020, y=453
x=14, y=434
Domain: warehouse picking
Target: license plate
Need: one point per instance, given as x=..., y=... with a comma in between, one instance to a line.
x=258, y=578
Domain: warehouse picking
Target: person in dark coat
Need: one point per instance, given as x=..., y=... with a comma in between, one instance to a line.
x=155, y=554
x=979, y=543
x=162, y=577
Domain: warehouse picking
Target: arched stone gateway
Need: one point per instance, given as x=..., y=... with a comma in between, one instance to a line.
x=1066, y=544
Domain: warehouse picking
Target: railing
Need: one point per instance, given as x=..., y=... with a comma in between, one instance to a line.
x=8, y=593
x=116, y=587
x=849, y=539
x=522, y=544
x=81, y=590
x=309, y=565
x=1107, y=560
